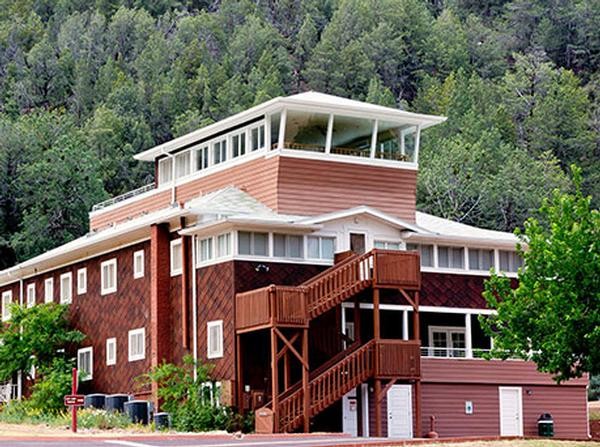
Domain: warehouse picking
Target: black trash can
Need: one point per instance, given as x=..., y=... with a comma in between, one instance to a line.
x=162, y=421
x=546, y=425
x=94, y=401
x=116, y=402
x=138, y=411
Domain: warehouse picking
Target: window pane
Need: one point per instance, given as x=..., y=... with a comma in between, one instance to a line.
x=312, y=245
x=306, y=131
x=327, y=247
x=379, y=244
x=254, y=139
x=165, y=170
x=443, y=257
x=182, y=164
x=244, y=243
x=275, y=122
x=487, y=259
x=504, y=262
x=458, y=258
x=202, y=158
x=351, y=136
x=279, y=245
x=223, y=245
x=474, y=259
x=427, y=255
x=261, y=243
x=295, y=246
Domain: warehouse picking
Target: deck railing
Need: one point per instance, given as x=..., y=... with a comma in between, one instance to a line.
x=452, y=353
x=123, y=197
x=398, y=358
x=295, y=305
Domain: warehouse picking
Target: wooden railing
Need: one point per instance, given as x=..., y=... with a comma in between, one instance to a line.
x=395, y=268
x=291, y=306
x=328, y=387
x=398, y=358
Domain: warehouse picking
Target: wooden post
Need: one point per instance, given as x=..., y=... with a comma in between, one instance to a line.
x=417, y=336
x=376, y=337
x=359, y=411
x=74, y=408
x=305, y=384
x=274, y=381
x=239, y=375
x=286, y=370
x=356, y=319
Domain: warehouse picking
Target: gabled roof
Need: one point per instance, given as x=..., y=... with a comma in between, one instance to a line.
x=314, y=100
x=373, y=212
x=229, y=201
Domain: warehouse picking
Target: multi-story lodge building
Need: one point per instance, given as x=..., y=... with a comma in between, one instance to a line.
x=283, y=246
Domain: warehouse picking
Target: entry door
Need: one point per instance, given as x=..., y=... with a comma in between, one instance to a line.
x=511, y=411
x=350, y=415
x=357, y=243
x=399, y=405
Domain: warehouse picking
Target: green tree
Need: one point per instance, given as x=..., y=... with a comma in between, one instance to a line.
x=553, y=316
x=35, y=336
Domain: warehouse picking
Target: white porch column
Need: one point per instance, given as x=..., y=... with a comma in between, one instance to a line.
x=468, y=337
x=404, y=325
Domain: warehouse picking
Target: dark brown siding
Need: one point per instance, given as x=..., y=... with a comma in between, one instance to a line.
x=310, y=187
x=439, y=289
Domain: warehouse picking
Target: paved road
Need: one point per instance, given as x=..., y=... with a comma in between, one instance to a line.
x=197, y=441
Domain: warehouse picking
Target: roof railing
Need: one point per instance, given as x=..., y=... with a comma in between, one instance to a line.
x=123, y=197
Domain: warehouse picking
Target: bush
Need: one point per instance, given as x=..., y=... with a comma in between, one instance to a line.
x=55, y=382
x=19, y=412
x=192, y=403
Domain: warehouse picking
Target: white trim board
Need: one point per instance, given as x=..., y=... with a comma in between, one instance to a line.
x=432, y=309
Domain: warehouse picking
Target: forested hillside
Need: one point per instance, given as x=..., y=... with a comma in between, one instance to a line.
x=85, y=84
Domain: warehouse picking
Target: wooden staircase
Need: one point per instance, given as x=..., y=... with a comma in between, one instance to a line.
x=291, y=308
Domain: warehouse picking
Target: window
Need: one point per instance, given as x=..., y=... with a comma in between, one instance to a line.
x=81, y=281
x=183, y=164
x=211, y=392
x=238, y=143
x=108, y=277
x=287, y=246
x=214, y=342
x=510, y=261
x=202, y=158
x=111, y=351
x=165, y=170
x=223, y=245
x=205, y=249
x=387, y=245
x=447, y=341
x=256, y=244
x=219, y=151
x=66, y=288
x=6, y=302
x=481, y=259
x=351, y=136
x=31, y=294
x=176, y=257
x=85, y=363
x=451, y=257
x=306, y=130
x=138, y=264
x=425, y=251
x=48, y=290
x=257, y=138
x=137, y=344
x=320, y=247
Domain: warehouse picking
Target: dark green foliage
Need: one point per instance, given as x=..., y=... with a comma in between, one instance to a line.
x=191, y=402
x=553, y=315
x=84, y=85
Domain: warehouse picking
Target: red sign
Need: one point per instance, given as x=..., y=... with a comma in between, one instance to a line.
x=74, y=400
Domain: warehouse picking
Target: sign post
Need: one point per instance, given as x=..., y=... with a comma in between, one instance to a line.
x=74, y=400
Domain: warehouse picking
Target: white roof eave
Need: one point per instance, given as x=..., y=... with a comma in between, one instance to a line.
x=461, y=240
x=257, y=222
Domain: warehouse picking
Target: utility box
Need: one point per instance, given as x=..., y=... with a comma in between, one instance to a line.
x=263, y=421
x=546, y=425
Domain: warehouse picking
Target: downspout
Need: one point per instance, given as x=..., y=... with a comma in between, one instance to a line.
x=20, y=373
x=194, y=309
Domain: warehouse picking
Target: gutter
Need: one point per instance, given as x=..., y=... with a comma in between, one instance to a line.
x=476, y=241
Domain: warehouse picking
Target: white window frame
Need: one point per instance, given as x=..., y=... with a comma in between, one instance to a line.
x=138, y=255
x=320, y=238
x=31, y=294
x=90, y=376
x=109, y=289
x=287, y=245
x=448, y=330
x=66, y=293
x=219, y=352
x=175, y=243
x=49, y=290
x=6, y=303
x=111, y=361
x=132, y=356
x=386, y=244
x=165, y=165
x=82, y=281
x=252, y=253
x=228, y=249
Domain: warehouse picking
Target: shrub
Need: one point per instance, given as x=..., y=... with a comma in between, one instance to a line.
x=594, y=389
x=192, y=404
x=54, y=383
x=101, y=419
